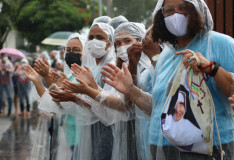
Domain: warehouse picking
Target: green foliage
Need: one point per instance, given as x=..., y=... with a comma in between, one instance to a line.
x=135, y=10
x=40, y=18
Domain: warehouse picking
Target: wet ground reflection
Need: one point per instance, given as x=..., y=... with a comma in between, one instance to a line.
x=22, y=140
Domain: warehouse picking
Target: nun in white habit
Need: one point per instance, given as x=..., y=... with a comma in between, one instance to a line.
x=180, y=131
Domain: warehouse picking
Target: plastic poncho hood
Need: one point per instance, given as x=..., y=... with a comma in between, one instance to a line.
x=201, y=7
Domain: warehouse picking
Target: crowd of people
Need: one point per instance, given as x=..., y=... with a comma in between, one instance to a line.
x=105, y=92
x=16, y=88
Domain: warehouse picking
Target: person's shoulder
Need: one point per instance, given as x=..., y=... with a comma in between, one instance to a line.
x=220, y=37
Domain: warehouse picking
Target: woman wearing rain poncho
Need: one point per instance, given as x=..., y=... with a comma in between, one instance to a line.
x=99, y=50
x=73, y=53
x=97, y=139
x=186, y=24
x=111, y=107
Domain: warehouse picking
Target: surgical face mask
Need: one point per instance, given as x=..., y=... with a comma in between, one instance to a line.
x=5, y=59
x=177, y=24
x=96, y=48
x=72, y=58
x=122, y=52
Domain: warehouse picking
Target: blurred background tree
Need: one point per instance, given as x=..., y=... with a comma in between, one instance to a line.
x=37, y=19
x=133, y=10
x=9, y=11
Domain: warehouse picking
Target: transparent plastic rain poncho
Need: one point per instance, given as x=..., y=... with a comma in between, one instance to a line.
x=102, y=19
x=114, y=109
x=90, y=61
x=115, y=22
x=99, y=136
x=69, y=122
x=215, y=47
x=144, y=78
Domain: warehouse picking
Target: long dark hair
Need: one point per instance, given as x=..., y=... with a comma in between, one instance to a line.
x=160, y=32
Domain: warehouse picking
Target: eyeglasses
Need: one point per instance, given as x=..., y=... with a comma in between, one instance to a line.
x=170, y=10
x=74, y=49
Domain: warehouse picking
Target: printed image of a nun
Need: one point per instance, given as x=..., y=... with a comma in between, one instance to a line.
x=180, y=126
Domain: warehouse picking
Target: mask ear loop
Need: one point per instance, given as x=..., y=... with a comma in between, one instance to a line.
x=109, y=46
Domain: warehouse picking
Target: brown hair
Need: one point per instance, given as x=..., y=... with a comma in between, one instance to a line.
x=160, y=32
x=119, y=63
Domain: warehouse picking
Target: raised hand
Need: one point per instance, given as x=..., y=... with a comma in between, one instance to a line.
x=63, y=96
x=71, y=87
x=42, y=68
x=120, y=80
x=134, y=53
x=31, y=73
x=57, y=78
x=84, y=74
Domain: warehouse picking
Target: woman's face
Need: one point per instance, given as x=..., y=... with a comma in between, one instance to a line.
x=174, y=6
x=126, y=40
x=180, y=110
x=74, y=46
x=98, y=34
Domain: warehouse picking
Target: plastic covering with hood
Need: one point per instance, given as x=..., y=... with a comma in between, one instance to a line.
x=67, y=137
x=130, y=134
x=115, y=22
x=213, y=46
x=115, y=111
x=102, y=19
x=137, y=30
x=96, y=133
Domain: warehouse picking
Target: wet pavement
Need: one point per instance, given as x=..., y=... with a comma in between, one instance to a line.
x=25, y=138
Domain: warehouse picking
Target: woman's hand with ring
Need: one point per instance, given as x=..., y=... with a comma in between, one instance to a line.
x=196, y=60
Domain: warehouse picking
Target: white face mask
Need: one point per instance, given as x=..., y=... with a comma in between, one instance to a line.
x=122, y=52
x=5, y=59
x=177, y=24
x=96, y=48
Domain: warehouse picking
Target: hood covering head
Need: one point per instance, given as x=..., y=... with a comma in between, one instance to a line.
x=102, y=19
x=115, y=22
x=136, y=30
x=202, y=9
x=87, y=58
x=67, y=70
x=24, y=60
x=110, y=56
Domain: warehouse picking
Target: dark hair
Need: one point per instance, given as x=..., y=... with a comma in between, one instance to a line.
x=3, y=54
x=160, y=32
x=119, y=63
